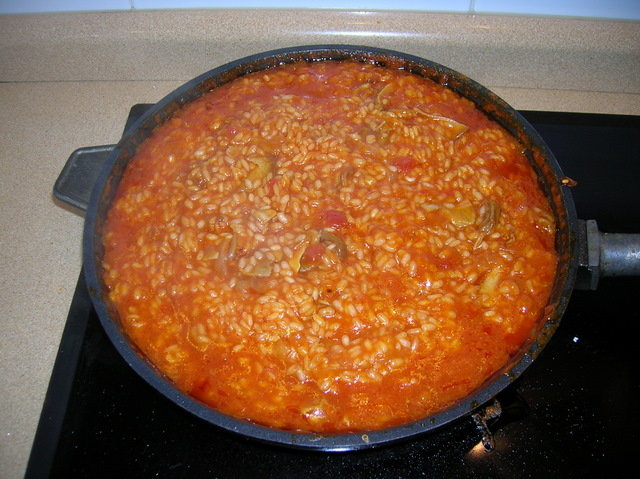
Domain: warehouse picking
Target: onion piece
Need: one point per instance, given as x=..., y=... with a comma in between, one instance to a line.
x=226, y=251
x=261, y=269
x=388, y=88
x=264, y=166
x=455, y=129
x=489, y=217
x=264, y=214
x=462, y=215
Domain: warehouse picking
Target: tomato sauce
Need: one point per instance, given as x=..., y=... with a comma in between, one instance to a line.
x=330, y=247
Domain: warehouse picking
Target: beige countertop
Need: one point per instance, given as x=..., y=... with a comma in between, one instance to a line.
x=68, y=80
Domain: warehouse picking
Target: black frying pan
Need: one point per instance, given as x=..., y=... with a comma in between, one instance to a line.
x=571, y=245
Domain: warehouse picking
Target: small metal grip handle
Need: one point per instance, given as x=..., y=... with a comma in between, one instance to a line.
x=481, y=418
x=605, y=254
x=619, y=254
x=78, y=177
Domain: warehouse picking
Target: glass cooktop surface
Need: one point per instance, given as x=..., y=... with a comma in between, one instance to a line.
x=573, y=413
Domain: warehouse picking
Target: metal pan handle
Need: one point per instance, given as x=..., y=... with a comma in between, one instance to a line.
x=605, y=254
x=79, y=175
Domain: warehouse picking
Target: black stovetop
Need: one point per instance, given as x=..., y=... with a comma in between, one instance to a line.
x=573, y=413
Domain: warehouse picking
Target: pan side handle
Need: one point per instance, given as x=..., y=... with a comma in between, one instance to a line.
x=78, y=177
x=605, y=255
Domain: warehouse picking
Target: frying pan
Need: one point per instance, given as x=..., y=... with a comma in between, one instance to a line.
x=584, y=253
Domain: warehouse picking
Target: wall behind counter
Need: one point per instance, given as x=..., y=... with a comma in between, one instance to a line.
x=609, y=9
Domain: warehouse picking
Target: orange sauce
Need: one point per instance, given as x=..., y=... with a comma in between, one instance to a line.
x=330, y=247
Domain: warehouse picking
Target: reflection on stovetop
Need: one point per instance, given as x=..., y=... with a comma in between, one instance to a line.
x=573, y=413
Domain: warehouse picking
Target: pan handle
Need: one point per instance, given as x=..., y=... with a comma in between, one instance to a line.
x=605, y=254
x=79, y=175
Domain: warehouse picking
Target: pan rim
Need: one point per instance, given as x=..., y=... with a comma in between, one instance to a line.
x=565, y=241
